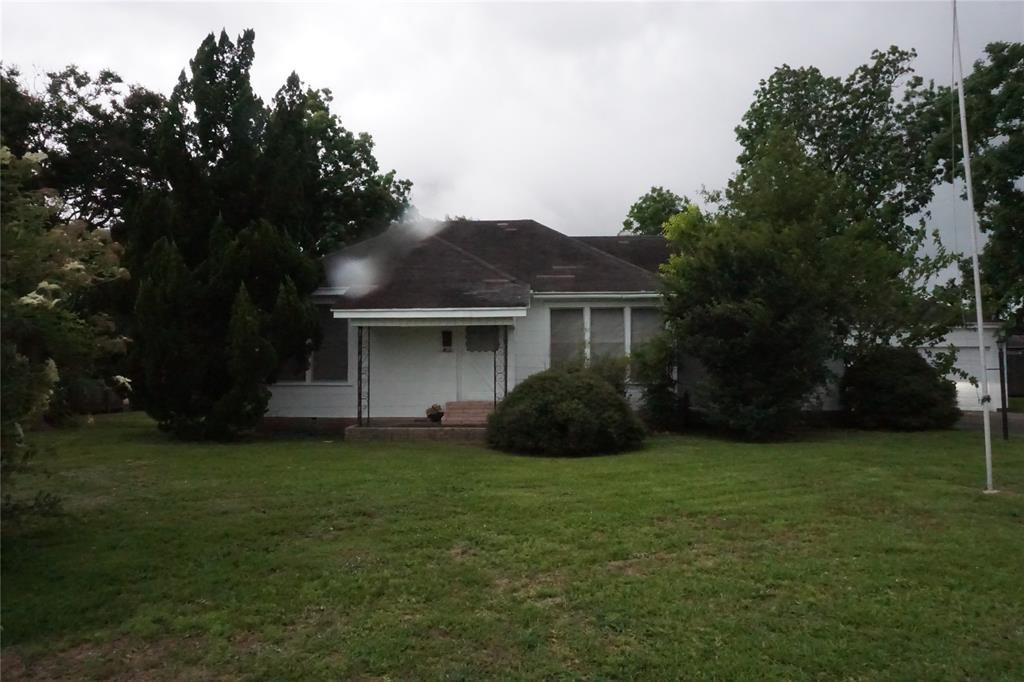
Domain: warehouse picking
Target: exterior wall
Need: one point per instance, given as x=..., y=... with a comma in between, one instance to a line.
x=409, y=372
x=533, y=332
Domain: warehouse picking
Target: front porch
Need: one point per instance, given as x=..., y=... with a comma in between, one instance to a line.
x=407, y=361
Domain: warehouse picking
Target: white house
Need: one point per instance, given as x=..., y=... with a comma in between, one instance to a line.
x=462, y=311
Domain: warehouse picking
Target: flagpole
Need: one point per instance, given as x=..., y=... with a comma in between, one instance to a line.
x=986, y=400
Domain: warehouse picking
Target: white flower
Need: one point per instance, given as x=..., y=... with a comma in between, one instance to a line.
x=122, y=381
x=35, y=298
x=35, y=157
x=51, y=371
x=47, y=286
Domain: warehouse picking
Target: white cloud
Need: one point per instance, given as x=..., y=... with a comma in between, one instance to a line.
x=564, y=113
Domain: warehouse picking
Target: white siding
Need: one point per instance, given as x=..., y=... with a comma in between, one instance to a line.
x=966, y=342
x=409, y=372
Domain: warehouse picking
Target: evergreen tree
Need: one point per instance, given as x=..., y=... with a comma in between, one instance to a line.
x=225, y=238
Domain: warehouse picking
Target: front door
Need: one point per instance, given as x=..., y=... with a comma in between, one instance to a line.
x=475, y=350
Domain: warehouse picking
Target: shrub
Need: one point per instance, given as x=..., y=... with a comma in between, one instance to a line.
x=896, y=388
x=565, y=414
x=613, y=369
x=652, y=367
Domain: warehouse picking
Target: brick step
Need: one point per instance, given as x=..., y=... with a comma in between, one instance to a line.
x=467, y=412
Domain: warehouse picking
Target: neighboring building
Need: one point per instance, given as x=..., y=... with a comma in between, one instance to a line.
x=463, y=312
x=965, y=339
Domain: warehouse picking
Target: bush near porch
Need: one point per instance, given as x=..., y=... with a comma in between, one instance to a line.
x=564, y=413
x=842, y=556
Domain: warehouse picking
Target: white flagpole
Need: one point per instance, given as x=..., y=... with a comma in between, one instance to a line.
x=986, y=400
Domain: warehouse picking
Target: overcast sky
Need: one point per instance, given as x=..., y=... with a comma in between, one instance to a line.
x=564, y=113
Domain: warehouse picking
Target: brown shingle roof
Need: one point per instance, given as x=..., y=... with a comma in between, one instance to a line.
x=545, y=258
x=475, y=263
x=646, y=251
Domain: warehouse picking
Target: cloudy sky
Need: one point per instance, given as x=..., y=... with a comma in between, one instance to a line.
x=560, y=112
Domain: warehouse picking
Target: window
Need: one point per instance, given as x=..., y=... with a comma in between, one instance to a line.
x=646, y=323
x=483, y=338
x=330, y=360
x=607, y=333
x=292, y=370
x=446, y=340
x=566, y=336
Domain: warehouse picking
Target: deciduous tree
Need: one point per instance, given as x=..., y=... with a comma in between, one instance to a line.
x=650, y=212
x=994, y=95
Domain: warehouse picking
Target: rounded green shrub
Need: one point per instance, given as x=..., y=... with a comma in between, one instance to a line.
x=564, y=414
x=896, y=388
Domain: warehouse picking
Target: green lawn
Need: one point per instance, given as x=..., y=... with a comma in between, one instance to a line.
x=845, y=556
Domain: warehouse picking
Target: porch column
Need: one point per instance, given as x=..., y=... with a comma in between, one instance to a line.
x=501, y=365
x=362, y=375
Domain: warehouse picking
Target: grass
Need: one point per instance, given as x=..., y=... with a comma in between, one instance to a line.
x=1016, y=404
x=845, y=556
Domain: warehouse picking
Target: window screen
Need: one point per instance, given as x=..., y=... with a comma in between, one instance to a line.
x=607, y=333
x=482, y=339
x=330, y=360
x=566, y=335
x=646, y=323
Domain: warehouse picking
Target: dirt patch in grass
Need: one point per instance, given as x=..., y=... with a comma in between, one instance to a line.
x=462, y=552
x=641, y=564
x=122, y=660
x=540, y=589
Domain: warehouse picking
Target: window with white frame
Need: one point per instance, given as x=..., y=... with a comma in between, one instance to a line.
x=567, y=340
x=597, y=332
x=330, y=360
x=645, y=324
x=607, y=333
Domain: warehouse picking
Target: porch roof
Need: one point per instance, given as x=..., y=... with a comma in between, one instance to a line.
x=430, y=317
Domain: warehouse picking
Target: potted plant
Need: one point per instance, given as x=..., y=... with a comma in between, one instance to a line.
x=435, y=412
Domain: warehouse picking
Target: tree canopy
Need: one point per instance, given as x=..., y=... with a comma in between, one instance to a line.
x=47, y=266
x=242, y=199
x=649, y=213
x=814, y=251
x=994, y=96
x=222, y=205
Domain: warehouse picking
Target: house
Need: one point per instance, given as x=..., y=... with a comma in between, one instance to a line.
x=462, y=311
